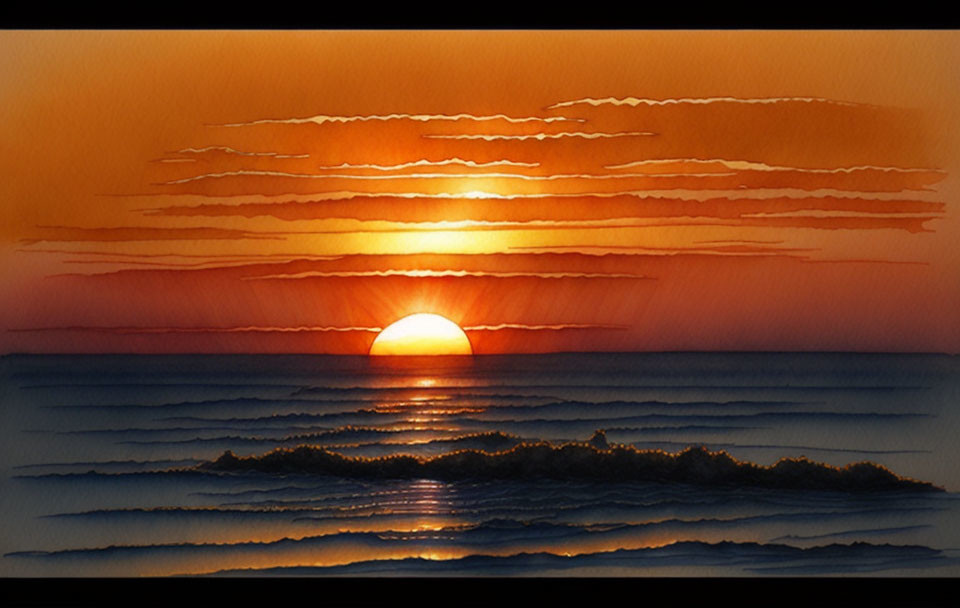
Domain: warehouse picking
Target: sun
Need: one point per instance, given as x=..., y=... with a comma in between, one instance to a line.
x=422, y=334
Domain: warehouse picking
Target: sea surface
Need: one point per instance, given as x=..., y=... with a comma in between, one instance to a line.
x=103, y=468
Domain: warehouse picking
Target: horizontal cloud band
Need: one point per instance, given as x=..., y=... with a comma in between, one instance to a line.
x=306, y=329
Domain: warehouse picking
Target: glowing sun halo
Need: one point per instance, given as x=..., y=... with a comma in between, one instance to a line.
x=422, y=334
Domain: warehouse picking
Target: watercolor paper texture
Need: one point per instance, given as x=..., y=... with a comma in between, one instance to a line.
x=472, y=303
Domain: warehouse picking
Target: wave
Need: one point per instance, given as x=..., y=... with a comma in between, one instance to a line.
x=485, y=418
x=112, y=464
x=603, y=383
x=594, y=460
x=446, y=390
x=490, y=533
x=191, y=513
x=171, y=385
x=491, y=441
x=341, y=397
x=703, y=418
x=170, y=474
x=473, y=511
x=626, y=501
x=283, y=419
x=781, y=447
x=633, y=406
x=741, y=556
x=347, y=433
x=872, y=531
x=457, y=405
x=353, y=436
x=486, y=535
x=229, y=439
x=206, y=403
x=143, y=431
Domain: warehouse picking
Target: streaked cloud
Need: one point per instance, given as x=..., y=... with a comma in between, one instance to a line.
x=637, y=101
x=432, y=163
x=745, y=165
x=520, y=176
x=424, y=274
x=138, y=233
x=207, y=257
x=301, y=328
x=229, y=150
x=539, y=136
x=553, y=327
x=587, y=207
x=327, y=118
x=192, y=330
x=824, y=213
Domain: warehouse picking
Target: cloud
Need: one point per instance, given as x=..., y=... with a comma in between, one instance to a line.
x=637, y=101
x=586, y=210
x=553, y=327
x=540, y=136
x=432, y=163
x=204, y=330
x=423, y=274
x=138, y=233
x=229, y=150
x=585, y=176
x=301, y=329
x=746, y=165
x=743, y=176
x=325, y=118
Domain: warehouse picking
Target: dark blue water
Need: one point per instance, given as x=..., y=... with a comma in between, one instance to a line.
x=99, y=457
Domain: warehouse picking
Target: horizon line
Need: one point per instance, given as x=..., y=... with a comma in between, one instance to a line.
x=524, y=354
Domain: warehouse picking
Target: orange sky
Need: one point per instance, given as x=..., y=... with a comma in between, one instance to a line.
x=548, y=191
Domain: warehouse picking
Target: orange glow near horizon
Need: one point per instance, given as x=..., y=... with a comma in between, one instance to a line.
x=422, y=334
x=551, y=191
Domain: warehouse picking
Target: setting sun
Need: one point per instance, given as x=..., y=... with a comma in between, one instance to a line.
x=422, y=334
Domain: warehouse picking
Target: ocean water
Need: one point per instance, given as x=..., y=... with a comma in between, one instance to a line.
x=105, y=465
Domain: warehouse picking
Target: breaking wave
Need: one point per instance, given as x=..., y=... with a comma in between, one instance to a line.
x=595, y=460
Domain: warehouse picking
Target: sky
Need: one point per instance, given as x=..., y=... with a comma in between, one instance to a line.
x=548, y=191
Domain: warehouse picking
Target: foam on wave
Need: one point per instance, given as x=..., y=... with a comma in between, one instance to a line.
x=594, y=460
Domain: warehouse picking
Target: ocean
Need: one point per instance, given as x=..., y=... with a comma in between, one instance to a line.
x=564, y=465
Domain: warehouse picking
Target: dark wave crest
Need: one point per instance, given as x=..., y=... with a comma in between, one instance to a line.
x=747, y=558
x=594, y=460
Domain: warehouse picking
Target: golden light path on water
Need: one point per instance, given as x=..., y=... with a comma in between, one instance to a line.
x=419, y=519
